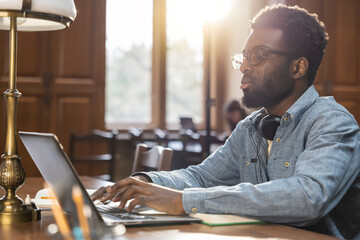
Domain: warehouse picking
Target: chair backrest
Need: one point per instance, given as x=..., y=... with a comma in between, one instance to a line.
x=95, y=146
x=157, y=158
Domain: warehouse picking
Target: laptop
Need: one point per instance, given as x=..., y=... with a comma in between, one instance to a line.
x=59, y=173
x=187, y=123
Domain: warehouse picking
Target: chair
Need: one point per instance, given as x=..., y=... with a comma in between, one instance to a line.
x=96, y=146
x=157, y=158
x=193, y=150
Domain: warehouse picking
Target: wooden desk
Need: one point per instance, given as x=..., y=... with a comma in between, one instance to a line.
x=36, y=230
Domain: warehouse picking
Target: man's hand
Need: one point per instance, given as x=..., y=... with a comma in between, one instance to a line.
x=155, y=196
x=101, y=192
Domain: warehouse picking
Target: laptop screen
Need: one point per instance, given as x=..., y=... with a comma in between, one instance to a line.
x=57, y=170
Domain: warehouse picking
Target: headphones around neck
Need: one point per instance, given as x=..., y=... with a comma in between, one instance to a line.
x=266, y=125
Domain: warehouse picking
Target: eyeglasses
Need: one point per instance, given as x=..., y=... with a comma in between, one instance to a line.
x=255, y=56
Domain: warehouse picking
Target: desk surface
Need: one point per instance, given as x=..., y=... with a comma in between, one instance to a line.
x=36, y=230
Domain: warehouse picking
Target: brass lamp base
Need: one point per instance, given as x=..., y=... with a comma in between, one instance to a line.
x=12, y=208
x=12, y=213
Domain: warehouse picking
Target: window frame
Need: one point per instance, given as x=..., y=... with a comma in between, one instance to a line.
x=159, y=79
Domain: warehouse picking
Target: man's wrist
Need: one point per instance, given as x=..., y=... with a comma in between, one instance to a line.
x=142, y=176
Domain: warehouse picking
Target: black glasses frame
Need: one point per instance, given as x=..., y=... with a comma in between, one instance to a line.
x=238, y=59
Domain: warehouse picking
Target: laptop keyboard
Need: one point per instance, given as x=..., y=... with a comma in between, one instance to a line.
x=116, y=213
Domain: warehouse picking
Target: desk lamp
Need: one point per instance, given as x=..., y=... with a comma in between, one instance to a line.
x=23, y=15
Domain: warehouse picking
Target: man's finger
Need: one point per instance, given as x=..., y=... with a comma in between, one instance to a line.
x=98, y=193
x=127, y=195
x=125, y=182
x=118, y=195
x=138, y=199
x=108, y=195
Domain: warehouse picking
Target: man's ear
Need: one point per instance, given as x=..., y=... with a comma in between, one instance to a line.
x=299, y=67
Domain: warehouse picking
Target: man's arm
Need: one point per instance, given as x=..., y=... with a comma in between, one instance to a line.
x=323, y=173
x=220, y=168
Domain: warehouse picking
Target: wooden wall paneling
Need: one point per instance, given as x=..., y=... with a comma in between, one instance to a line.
x=344, y=20
x=4, y=39
x=79, y=69
x=72, y=116
x=325, y=77
x=346, y=32
x=31, y=53
x=30, y=114
x=75, y=53
x=61, y=76
x=30, y=118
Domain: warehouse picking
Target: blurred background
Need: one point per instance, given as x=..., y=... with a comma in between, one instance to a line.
x=137, y=67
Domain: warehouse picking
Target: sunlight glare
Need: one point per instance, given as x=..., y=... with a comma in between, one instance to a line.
x=202, y=10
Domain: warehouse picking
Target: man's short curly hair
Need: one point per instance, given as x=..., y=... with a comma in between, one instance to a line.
x=303, y=33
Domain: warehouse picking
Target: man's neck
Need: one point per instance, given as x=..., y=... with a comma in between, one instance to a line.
x=281, y=108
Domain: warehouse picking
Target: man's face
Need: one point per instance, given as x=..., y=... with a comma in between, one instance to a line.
x=267, y=83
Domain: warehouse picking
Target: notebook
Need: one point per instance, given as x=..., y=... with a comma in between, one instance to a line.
x=59, y=173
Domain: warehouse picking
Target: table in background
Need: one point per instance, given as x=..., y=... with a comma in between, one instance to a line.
x=37, y=230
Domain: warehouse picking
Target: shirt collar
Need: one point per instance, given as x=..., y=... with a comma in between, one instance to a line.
x=296, y=111
x=301, y=105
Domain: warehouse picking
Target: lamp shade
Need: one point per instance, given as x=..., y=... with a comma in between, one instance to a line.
x=37, y=15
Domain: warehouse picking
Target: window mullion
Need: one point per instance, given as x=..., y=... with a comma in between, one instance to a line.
x=159, y=64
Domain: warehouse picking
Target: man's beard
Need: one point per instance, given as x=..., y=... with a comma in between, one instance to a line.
x=275, y=88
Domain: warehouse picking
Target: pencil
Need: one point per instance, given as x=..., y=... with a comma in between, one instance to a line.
x=79, y=202
x=60, y=219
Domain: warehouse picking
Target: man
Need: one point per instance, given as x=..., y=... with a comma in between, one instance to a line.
x=295, y=161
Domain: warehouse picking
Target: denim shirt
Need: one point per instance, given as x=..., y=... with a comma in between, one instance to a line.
x=314, y=159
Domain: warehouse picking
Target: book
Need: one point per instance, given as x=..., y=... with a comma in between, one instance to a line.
x=224, y=219
x=44, y=201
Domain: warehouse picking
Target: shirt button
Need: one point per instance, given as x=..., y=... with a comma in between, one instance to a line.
x=285, y=119
x=291, y=116
x=247, y=163
x=194, y=210
x=278, y=139
x=287, y=164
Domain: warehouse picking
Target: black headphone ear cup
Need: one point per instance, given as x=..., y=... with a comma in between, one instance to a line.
x=256, y=121
x=266, y=125
x=269, y=125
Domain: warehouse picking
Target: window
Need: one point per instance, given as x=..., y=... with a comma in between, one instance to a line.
x=131, y=78
x=128, y=61
x=184, y=69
